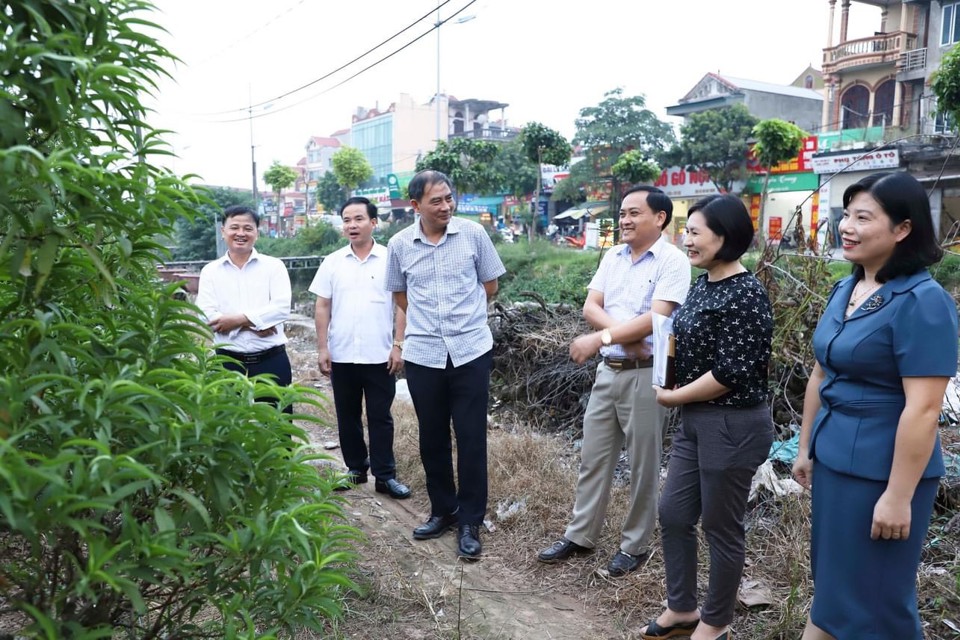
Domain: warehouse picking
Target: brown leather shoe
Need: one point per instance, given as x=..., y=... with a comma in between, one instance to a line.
x=561, y=550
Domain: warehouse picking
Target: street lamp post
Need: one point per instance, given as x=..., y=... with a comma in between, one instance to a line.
x=438, y=24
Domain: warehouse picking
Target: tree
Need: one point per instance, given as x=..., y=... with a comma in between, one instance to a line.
x=945, y=82
x=329, y=192
x=776, y=141
x=351, y=168
x=467, y=162
x=717, y=142
x=633, y=167
x=197, y=236
x=516, y=175
x=612, y=128
x=541, y=144
x=143, y=493
x=279, y=177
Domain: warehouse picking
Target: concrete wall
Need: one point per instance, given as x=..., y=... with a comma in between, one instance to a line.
x=414, y=130
x=805, y=112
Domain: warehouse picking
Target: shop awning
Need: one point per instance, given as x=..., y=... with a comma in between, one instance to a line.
x=588, y=210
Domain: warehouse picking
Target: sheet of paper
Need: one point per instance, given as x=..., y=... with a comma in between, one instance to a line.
x=663, y=351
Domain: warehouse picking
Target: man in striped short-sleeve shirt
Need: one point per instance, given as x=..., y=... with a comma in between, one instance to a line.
x=442, y=271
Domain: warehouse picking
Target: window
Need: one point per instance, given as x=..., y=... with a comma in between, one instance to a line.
x=950, y=25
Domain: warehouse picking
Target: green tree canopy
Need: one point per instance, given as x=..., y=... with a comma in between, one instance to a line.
x=515, y=173
x=776, y=141
x=279, y=177
x=945, y=82
x=717, y=141
x=351, y=168
x=617, y=125
x=541, y=144
x=143, y=492
x=467, y=162
x=329, y=192
x=633, y=167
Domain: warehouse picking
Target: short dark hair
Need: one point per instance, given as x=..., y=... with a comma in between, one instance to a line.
x=902, y=198
x=240, y=210
x=371, y=208
x=419, y=183
x=656, y=200
x=727, y=217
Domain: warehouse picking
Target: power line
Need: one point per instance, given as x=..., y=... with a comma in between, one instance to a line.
x=338, y=69
x=272, y=112
x=237, y=42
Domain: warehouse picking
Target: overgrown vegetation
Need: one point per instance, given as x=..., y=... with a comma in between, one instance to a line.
x=142, y=491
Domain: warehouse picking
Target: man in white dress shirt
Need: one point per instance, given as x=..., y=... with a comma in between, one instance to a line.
x=359, y=343
x=245, y=297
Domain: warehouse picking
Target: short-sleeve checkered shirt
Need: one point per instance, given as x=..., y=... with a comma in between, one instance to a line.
x=629, y=288
x=446, y=302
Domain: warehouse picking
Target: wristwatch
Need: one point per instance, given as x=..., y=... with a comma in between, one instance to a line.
x=398, y=344
x=606, y=339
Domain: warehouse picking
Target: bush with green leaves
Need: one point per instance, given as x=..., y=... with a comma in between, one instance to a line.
x=141, y=487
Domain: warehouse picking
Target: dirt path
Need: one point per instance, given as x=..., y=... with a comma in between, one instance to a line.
x=484, y=599
x=420, y=589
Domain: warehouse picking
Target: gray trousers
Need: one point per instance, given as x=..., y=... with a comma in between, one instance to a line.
x=715, y=454
x=622, y=410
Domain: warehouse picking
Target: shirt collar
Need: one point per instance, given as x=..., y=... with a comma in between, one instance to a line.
x=378, y=250
x=656, y=248
x=225, y=258
x=453, y=227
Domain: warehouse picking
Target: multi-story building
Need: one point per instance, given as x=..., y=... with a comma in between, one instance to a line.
x=800, y=102
x=393, y=139
x=880, y=113
x=801, y=105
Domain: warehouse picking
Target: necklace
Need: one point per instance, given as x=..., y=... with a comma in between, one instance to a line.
x=855, y=298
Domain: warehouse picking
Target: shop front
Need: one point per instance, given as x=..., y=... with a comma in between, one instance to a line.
x=792, y=199
x=837, y=170
x=685, y=187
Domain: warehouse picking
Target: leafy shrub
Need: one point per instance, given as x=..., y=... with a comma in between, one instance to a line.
x=141, y=488
x=557, y=274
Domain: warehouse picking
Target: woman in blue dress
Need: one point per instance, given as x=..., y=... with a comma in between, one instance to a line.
x=886, y=348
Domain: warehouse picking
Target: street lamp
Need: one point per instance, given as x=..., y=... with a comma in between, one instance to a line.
x=253, y=157
x=438, y=24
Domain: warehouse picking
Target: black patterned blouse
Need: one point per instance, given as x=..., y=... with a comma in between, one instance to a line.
x=726, y=327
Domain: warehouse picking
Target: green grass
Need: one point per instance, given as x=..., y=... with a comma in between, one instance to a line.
x=558, y=274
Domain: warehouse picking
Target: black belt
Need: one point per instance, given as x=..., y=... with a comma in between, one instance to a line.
x=626, y=364
x=255, y=357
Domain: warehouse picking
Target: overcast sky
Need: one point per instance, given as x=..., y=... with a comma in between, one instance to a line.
x=546, y=60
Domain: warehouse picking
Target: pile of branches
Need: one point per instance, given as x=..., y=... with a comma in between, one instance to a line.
x=533, y=376
x=798, y=286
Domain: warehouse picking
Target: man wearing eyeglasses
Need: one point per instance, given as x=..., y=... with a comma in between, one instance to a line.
x=645, y=273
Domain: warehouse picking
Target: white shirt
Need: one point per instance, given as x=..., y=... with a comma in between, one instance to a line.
x=260, y=290
x=361, y=309
x=629, y=287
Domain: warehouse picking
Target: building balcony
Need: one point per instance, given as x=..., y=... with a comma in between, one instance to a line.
x=881, y=49
x=494, y=134
x=912, y=60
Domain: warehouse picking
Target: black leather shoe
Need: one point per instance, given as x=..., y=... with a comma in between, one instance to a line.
x=469, y=546
x=623, y=563
x=393, y=488
x=353, y=478
x=561, y=550
x=435, y=527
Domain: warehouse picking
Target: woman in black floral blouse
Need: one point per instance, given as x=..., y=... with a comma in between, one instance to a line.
x=723, y=335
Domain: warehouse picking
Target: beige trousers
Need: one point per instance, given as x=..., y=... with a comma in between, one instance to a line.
x=622, y=411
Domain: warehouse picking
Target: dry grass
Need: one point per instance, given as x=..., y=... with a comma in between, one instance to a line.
x=539, y=471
